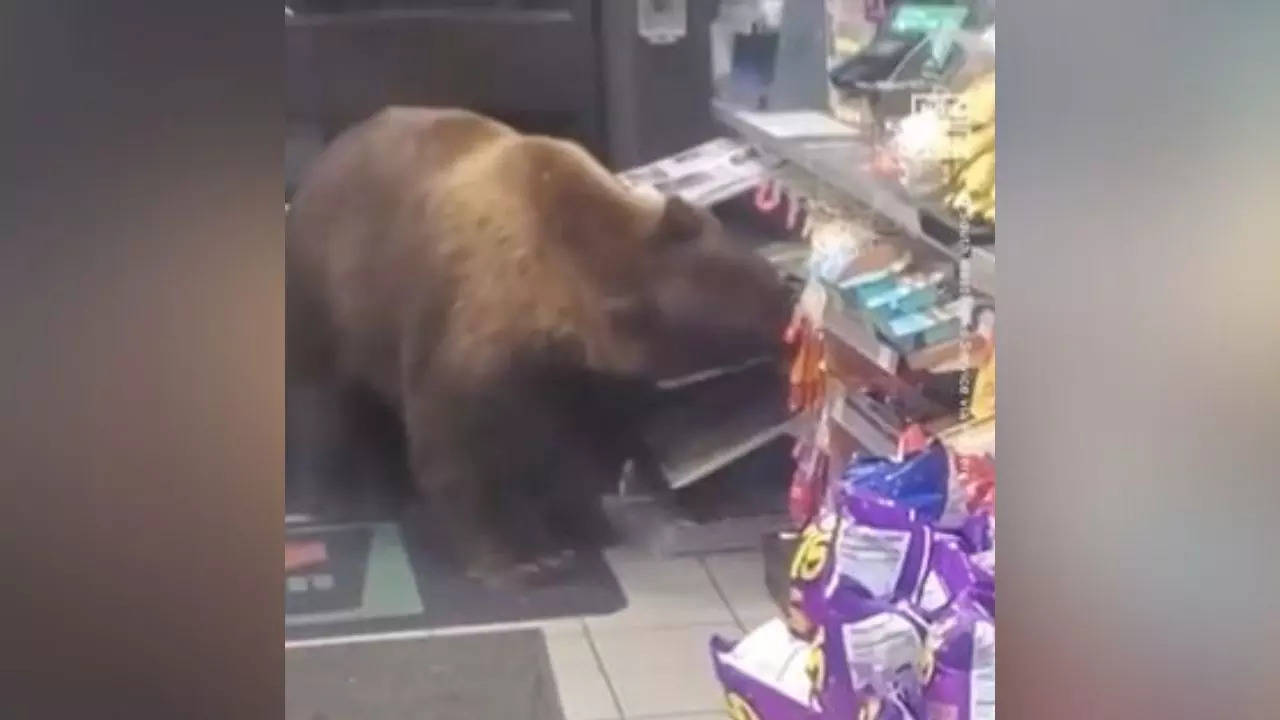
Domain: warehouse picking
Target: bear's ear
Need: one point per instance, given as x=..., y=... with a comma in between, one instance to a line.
x=680, y=223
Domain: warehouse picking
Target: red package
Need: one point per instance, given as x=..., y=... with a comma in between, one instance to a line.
x=808, y=368
x=977, y=476
x=912, y=440
x=808, y=484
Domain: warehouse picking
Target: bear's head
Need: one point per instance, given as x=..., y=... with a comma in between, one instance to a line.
x=702, y=301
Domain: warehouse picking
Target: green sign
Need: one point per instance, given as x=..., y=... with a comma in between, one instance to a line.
x=940, y=22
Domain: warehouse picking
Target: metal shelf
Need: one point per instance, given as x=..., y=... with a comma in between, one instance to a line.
x=872, y=439
x=837, y=166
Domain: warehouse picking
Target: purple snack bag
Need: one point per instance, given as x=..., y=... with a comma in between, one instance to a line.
x=811, y=567
x=766, y=675
x=886, y=602
x=951, y=572
x=866, y=549
x=962, y=667
x=878, y=551
x=872, y=650
x=978, y=531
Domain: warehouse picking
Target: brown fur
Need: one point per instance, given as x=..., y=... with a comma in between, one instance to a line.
x=477, y=279
x=452, y=178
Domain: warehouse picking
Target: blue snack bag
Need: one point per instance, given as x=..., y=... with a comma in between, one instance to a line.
x=921, y=482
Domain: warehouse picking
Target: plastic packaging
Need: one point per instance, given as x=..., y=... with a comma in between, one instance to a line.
x=836, y=242
x=808, y=369
x=952, y=574
x=770, y=675
x=961, y=668
x=891, y=614
x=948, y=489
x=976, y=475
x=870, y=650
x=920, y=482
x=918, y=143
x=764, y=676
x=808, y=483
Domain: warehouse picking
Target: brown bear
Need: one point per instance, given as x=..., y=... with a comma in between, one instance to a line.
x=514, y=304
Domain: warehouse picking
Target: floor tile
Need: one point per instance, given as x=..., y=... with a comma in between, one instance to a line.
x=584, y=693
x=663, y=592
x=740, y=577
x=751, y=622
x=664, y=671
x=560, y=626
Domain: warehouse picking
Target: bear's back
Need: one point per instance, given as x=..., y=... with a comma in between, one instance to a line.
x=440, y=237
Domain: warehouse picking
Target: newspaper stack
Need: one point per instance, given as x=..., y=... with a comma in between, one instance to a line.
x=705, y=174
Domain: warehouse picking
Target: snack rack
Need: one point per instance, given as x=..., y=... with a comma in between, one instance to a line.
x=812, y=156
x=835, y=170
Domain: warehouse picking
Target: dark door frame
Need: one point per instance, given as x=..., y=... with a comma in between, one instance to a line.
x=539, y=64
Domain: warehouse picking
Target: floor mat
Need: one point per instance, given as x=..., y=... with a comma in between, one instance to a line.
x=461, y=677
x=365, y=578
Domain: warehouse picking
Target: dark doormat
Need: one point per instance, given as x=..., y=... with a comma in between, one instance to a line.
x=503, y=675
x=377, y=577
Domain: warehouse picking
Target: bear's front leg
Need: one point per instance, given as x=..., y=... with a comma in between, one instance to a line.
x=602, y=417
x=573, y=506
x=478, y=465
x=474, y=516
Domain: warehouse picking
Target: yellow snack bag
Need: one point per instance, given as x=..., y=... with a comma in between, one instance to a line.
x=982, y=403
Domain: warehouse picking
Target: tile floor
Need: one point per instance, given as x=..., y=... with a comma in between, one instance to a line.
x=651, y=660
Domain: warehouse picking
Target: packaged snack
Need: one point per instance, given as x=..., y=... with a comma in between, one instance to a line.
x=920, y=145
x=874, y=265
x=920, y=482
x=811, y=566
x=976, y=477
x=983, y=402
x=945, y=488
x=896, y=613
x=863, y=549
x=912, y=439
x=952, y=573
x=978, y=533
x=878, y=551
x=860, y=295
x=918, y=330
x=808, y=483
x=987, y=561
x=909, y=294
x=871, y=649
x=839, y=245
x=961, y=664
x=764, y=675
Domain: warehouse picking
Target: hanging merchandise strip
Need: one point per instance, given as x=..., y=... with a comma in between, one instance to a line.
x=979, y=129
x=840, y=242
x=859, y=278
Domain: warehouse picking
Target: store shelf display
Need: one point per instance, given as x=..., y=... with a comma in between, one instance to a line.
x=886, y=588
x=906, y=300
